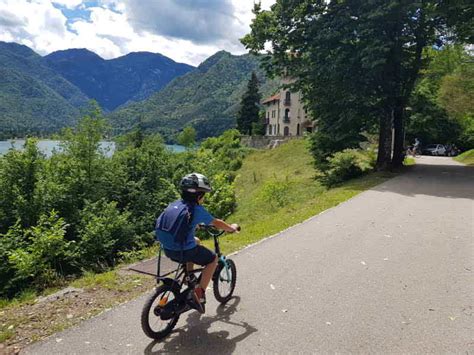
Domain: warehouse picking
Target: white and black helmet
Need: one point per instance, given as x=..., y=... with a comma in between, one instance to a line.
x=195, y=183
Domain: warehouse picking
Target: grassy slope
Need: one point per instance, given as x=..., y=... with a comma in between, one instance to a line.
x=466, y=157
x=289, y=164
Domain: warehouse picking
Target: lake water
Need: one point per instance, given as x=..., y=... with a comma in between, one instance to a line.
x=48, y=146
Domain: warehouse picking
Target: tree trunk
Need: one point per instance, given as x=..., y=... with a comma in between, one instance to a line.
x=398, y=148
x=384, y=155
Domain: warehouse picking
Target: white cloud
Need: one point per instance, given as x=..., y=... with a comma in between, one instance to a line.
x=70, y=4
x=115, y=27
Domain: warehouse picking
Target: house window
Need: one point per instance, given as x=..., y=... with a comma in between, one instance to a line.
x=287, y=115
x=269, y=130
x=286, y=131
x=287, y=98
x=278, y=129
x=298, y=129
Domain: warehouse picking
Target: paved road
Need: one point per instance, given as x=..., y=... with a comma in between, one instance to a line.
x=389, y=271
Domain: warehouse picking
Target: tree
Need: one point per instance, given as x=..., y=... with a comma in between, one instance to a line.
x=360, y=59
x=429, y=117
x=187, y=137
x=456, y=96
x=20, y=172
x=249, y=111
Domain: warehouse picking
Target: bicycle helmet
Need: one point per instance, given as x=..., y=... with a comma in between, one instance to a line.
x=195, y=183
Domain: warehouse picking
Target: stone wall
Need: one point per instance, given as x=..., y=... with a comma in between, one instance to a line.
x=264, y=142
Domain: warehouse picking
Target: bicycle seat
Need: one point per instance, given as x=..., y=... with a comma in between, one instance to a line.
x=175, y=260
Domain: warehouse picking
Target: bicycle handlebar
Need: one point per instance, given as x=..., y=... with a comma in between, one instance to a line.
x=212, y=230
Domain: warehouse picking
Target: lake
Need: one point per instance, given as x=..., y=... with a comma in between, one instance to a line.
x=48, y=146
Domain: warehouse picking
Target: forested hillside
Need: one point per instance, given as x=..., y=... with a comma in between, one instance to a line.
x=33, y=97
x=21, y=58
x=114, y=82
x=206, y=98
x=28, y=106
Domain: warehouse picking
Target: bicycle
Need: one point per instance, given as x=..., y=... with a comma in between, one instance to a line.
x=413, y=151
x=168, y=301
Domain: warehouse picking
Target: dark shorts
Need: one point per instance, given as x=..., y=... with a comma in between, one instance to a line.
x=199, y=255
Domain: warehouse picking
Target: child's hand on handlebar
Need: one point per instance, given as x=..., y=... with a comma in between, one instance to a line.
x=236, y=228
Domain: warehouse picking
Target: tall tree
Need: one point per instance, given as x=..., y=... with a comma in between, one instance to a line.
x=359, y=59
x=249, y=107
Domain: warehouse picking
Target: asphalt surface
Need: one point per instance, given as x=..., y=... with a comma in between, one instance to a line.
x=390, y=271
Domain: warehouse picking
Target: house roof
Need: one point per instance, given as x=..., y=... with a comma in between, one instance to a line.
x=272, y=98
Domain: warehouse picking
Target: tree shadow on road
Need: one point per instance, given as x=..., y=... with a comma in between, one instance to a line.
x=448, y=181
x=195, y=336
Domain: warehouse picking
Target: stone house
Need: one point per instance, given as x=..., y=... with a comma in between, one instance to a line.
x=285, y=114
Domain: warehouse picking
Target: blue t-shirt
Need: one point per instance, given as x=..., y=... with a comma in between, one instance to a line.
x=166, y=239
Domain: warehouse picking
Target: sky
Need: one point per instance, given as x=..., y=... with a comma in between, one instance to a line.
x=187, y=31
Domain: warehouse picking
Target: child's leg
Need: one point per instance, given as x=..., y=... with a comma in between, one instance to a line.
x=207, y=273
x=190, y=266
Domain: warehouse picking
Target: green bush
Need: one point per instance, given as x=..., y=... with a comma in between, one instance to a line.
x=275, y=193
x=41, y=258
x=348, y=164
x=103, y=232
x=221, y=202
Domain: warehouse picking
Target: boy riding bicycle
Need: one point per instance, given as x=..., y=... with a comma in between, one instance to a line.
x=193, y=188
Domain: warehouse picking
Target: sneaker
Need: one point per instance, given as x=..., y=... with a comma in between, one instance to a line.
x=199, y=296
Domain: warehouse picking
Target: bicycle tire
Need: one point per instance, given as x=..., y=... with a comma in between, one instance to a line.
x=148, y=306
x=217, y=279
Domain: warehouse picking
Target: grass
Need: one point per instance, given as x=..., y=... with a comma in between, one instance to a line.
x=27, y=296
x=276, y=189
x=6, y=334
x=466, y=158
x=108, y=280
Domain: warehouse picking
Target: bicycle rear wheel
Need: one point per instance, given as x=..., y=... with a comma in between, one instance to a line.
x=224, y=280
x=158, y=317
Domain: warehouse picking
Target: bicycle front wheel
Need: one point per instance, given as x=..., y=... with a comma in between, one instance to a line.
x=158, y=315
x=224, y=281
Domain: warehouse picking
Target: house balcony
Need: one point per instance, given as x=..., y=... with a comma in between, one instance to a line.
x=286, y=119
x=287, y=102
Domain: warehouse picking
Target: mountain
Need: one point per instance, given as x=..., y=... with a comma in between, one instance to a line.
x=34, y=99
x=207, y=98
x=22, y=59
x=115, y=82
x=28, y=106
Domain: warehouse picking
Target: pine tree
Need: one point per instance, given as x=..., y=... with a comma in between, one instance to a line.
x=249, y=107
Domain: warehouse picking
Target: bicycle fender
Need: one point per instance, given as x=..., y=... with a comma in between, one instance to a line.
x=170, y=282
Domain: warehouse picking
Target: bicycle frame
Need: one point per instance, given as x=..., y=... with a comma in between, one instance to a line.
x=181, y=270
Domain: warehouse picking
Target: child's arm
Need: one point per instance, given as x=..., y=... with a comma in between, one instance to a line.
x=220, y=224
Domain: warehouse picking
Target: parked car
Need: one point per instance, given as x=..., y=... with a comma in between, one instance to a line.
x=434, y=149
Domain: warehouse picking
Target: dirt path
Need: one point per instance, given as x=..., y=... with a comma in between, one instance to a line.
x=388, y=271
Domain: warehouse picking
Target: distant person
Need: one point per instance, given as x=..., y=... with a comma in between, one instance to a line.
x=417, y=147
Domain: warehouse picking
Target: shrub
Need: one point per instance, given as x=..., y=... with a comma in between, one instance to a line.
x=275, y=193
x=43, y=257
x=103, y=232
x=221, y=202
x=348, y=164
